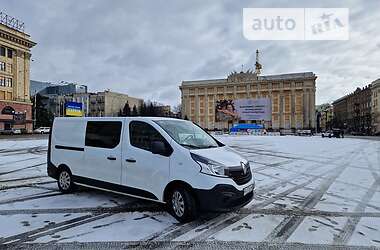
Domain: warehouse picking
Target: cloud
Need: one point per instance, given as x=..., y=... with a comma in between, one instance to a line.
x=146, y=48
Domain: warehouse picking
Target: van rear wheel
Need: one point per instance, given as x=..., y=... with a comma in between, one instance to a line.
x=182, y=205
x=65, y=183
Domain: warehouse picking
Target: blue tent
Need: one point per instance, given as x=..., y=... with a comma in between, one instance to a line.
x=245, y=126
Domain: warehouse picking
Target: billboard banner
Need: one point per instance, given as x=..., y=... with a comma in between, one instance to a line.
x=244, y=109
x=254, y=109
x=225, y=111
x=73, y=109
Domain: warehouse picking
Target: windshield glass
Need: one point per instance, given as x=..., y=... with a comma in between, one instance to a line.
x=187, y=134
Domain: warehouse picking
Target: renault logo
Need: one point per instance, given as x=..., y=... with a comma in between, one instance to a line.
x=244, y=167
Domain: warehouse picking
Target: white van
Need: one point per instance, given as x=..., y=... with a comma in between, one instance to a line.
x=165, y=160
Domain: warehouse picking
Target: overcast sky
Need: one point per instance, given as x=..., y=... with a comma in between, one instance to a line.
x=146, y=48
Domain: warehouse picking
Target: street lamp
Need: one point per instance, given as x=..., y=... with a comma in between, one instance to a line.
x=25, y=119
x=35, y=109
x=13, y=114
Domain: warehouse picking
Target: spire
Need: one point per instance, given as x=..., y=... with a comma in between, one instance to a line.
x=258, y=66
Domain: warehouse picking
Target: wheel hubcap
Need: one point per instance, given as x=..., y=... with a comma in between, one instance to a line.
x=64, y=180
x=178, y=204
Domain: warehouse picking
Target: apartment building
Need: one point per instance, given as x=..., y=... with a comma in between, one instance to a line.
x=15, y=53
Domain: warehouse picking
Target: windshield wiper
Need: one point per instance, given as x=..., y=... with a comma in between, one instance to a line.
x=189, y=145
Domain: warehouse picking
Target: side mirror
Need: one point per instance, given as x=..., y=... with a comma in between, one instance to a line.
x=158, y=147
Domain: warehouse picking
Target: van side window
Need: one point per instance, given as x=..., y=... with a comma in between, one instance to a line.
x=103, y=134
x=141, y=135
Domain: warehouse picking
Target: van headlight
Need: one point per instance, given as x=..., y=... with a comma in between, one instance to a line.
x=209, y=166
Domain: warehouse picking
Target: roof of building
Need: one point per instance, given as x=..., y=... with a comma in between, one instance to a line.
x=376, y=83
x=291, y=76
x=211, y=81
x=356, y=91
x=288, y=76
x=37, y=86
x=340, y=99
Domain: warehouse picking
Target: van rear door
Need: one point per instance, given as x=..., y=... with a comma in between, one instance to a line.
x=102, y=157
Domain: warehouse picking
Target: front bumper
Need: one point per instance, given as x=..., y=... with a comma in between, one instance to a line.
x=222, y=198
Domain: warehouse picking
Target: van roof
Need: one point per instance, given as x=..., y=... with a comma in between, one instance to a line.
x=121, y=118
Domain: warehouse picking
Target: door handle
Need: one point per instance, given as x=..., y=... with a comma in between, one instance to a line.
x=111, y=158
x=130, y=160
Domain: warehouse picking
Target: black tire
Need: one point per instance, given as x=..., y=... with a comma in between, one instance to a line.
x=65, y=181
x=42, y=132
x=190, y=209
x=323, y=136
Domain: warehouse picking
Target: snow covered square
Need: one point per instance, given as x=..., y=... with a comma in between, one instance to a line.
x=311, y=192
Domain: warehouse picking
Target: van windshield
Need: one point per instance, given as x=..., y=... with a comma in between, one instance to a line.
x=187, y=134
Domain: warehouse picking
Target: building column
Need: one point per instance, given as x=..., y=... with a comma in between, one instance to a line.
x=281, y=119
x=312, y=108
x=293, y=105
x=206, y=109
x=216, y=125
x=305, y=108
x=270, y=94
x=196, y=105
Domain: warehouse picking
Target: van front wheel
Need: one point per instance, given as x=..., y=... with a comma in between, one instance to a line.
x=182, y=205
x=65, y=183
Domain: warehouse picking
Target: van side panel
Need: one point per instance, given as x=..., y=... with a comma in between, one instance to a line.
x=67, y=143
x=148, y=172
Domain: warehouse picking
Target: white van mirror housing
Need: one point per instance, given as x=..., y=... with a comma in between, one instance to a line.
x=158, y=147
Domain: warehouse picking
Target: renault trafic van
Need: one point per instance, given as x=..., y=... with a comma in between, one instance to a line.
x=166, y=160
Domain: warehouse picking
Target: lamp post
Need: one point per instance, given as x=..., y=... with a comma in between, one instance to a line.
x=13, y=114
x=35, y=109
x=25, y=120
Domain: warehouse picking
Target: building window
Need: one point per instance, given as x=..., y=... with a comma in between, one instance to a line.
x=5, y=82
x=8, y=82
x=2, y=66
x=2, y=51
x=9, y=53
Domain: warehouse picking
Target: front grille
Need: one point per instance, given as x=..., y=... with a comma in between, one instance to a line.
x=237, y=174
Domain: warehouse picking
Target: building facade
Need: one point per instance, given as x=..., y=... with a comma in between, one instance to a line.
x=98, y=104
x=63, y=89
x=163, y=110
x=109, y=103
x=54, y=96
x=324, y=116
x=375, y=89
x=353, y=112
x=292, y=98
x=15, y=104
x=37, y=86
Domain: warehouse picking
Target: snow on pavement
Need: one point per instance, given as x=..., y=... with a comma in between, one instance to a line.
x=309, y=190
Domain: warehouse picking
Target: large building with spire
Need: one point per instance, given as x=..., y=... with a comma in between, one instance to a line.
x=291, y=98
